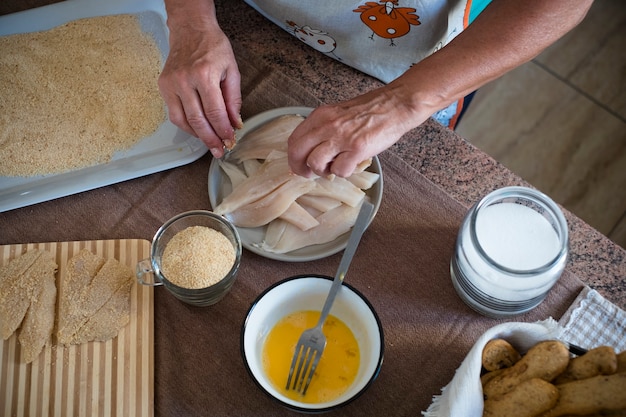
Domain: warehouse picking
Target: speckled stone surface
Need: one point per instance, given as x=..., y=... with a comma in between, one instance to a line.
x=442, y=156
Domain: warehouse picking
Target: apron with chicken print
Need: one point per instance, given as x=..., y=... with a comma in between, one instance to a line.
x=382, y=39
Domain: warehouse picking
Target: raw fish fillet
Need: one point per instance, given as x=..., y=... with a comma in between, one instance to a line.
x=272, y=174
x=251, y=166
x=363, y=166
x=273, y=233
x=235, y=174
x=333, y=224
x=271, y=136
x=272, y=205
x=299, y=216
x=340, y=189
x=313, y=211
x=320, y=203
x=364, y=179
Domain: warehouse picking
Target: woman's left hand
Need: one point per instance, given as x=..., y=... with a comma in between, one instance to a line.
x=335, y=138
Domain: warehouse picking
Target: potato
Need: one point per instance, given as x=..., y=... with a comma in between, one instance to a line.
x=599, y=361
x=621, y=362
x=527, y=399
x=545, y=360
x=498, y=354
x=592, y=395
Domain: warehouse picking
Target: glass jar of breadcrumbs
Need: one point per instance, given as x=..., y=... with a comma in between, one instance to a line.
x=195, y=255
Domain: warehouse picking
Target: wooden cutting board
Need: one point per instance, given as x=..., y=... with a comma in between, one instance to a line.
x=112, y=378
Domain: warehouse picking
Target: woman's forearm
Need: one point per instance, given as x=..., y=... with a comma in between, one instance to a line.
x=507, y=34
x=200, y=81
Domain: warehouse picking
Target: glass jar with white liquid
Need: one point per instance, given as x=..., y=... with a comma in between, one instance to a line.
x=511, y=249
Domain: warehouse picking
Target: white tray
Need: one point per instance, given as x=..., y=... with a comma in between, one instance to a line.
x=167, y=148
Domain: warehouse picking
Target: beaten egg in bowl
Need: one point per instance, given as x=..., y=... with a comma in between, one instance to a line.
x=303, y=294
x=338, y=365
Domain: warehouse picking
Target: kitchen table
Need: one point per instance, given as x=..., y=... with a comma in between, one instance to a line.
x=431, y=177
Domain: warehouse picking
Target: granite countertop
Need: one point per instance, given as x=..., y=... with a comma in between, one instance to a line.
x=448, y=160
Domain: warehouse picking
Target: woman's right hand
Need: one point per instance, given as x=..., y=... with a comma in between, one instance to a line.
x=200, y=84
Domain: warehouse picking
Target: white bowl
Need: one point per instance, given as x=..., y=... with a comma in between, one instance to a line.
x=308, y=292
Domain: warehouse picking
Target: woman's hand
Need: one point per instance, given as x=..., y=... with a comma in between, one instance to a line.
x=334, y=139
x=200, y=83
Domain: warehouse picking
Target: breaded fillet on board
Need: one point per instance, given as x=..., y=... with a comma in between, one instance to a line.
x=82, y=298
x=36, y=329
x=106, y=323
x=18, y=285
x=81, y=269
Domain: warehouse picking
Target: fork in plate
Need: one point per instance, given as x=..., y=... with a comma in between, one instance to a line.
x=312, y=342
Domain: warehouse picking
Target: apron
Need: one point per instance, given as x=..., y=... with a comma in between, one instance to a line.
x=381, y=39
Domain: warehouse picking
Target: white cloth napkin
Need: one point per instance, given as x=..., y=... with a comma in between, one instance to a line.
x=589, y=322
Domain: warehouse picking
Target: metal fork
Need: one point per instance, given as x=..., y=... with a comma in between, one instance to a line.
x=312, y=341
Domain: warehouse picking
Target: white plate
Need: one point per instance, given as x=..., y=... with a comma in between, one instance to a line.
x=167, y=148
x=219, y=187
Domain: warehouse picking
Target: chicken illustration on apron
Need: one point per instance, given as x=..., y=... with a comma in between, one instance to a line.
x=387, y=20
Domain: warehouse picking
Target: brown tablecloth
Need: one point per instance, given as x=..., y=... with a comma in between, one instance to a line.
x=402, y=267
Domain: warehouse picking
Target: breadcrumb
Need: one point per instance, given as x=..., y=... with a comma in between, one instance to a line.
x=197, y=257
x=74, y=95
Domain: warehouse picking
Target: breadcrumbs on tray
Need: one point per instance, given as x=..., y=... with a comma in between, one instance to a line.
x=74, y=95
x=197, y=257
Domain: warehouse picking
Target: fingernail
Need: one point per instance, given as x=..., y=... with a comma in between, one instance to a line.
x=229, y=143
x=216, y=152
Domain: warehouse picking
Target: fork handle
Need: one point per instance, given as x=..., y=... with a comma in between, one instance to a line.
x=360, y=225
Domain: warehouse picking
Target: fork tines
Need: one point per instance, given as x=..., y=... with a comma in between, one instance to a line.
x=304, y=363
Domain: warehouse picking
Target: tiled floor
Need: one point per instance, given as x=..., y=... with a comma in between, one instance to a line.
x=559, y=121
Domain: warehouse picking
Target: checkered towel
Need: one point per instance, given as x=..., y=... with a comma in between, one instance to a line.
x=589, y=322
x=593, y=321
